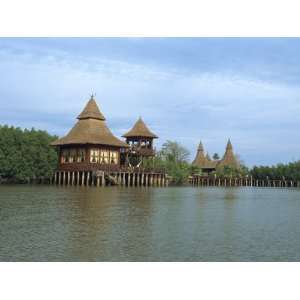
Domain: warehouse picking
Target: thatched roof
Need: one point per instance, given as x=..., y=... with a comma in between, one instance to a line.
x=140, y=129
x=90, y=129
x=91, y=111
x=203, y=161
x=229, y=158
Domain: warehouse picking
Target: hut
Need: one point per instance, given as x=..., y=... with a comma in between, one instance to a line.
x=208, y=166
x=203, y=161
x=90, y=145
x=140, y=141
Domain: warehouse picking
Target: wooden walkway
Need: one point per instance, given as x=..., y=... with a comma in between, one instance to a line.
x=227, y=182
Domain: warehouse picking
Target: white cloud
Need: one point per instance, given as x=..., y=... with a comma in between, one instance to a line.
x=51, y=90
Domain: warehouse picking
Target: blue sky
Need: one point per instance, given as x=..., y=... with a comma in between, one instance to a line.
x=186, y=89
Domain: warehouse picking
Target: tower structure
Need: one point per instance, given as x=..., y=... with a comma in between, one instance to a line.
x=140, y=141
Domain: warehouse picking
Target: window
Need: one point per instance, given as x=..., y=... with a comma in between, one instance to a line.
x=94, y=156
x=64, y=156
x=104, y=155
x=81, y=155
x=72, y=155
x=113, y=157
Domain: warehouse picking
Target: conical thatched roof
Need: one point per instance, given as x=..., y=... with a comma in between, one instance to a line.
x=91, y=111
x=90, y=129
x=229, y=158
x=140, y=129
x=203, y=161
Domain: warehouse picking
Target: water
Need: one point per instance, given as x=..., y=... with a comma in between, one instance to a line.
x=49, y=223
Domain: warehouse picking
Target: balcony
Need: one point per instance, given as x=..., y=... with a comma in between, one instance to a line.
x=141, y=151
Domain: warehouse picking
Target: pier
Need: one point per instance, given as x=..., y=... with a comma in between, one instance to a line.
x=198, y=180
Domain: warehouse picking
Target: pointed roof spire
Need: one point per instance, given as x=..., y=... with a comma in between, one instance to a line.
x=140, y=129
x=229, y=158
x=203, y=161
x=91, y=128
x=229, y=145
x=200, y=147
x=91, y=111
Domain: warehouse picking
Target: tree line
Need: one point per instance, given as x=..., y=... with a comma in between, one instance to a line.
x=25, y=155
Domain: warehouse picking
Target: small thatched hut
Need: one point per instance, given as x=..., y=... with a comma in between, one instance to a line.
x=207, y=165
x=90, y=145
x=204, y=162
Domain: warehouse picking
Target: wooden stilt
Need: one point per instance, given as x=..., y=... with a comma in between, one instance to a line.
x=102, y=179
x=82, y=178
x=88, y=179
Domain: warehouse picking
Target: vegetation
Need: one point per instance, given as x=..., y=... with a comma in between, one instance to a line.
x=216, y=156
x=25, y=155
x=173, y=159
x=228, y=171
x=289, y=171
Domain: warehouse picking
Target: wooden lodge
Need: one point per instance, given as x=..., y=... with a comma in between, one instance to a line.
x=91, y=155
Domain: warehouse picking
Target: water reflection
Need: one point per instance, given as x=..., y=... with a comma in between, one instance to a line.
x=148, y=224
x=230, y=194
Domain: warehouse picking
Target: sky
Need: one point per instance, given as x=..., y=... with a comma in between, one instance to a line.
x=185, y=89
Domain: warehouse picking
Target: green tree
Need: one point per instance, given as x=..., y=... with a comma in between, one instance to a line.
x=26, y=155
x=173, y=151
x=173, y=159
x=290, y=171
x=216, y=156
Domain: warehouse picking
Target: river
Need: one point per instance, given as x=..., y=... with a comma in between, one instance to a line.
x=54, y=223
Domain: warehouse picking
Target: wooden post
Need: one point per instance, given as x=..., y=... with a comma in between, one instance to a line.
x=138, y=179
x=142, y=179
x=78, y=178
x=88, y=179
x=102, y=179
x=82, y=178
x=55, y=177
x=73, y=178
x=159, y=179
